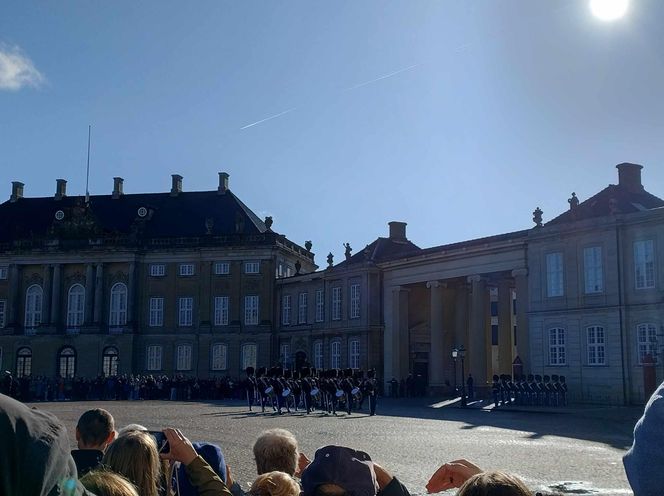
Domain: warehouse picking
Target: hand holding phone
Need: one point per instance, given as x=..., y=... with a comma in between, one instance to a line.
x=162, y=442
x=180, y=449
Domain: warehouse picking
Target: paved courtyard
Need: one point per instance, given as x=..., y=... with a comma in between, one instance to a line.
x=575, y=452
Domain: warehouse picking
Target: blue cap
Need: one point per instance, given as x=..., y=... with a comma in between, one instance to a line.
x=347, y=468
x=212, y=454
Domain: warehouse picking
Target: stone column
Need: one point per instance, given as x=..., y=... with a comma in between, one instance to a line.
x=131, y=289
x=505, y=334
x=55, y=300
x=14, y=294
x=46, y=296
x=395, y=342
x=99, y=293
x=522, y=332
x=436, y=358
x=476, y=345
x=89, y=291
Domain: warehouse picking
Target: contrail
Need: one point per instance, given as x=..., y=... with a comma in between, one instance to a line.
x=268, y=118
x=359, y=85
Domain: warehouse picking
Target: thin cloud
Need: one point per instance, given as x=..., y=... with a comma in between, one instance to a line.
x=268, y=118
x=380, y=78
x=17, y=70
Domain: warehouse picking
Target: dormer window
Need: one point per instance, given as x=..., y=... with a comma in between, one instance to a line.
x=186, y=269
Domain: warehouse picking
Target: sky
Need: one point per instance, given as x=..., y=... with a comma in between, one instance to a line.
x=457, y=117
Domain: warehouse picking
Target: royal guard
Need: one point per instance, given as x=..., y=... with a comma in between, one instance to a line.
x=251, y=387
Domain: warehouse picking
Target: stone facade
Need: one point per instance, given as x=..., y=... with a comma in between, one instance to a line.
x=154, y=295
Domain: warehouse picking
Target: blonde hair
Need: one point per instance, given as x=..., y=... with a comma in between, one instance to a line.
x=494, y=484
x=107, y=483
x=275, y=484
x=276, y=449
x=134, y=455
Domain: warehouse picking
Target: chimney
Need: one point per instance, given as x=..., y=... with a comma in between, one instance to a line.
x=17, y=191
x=397, y=230
x=117, y=188
x=629, y=177
x=176, y=188
x=223, y=183
x=60, y=189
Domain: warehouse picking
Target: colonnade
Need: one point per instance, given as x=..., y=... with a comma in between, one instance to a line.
x=468, y=324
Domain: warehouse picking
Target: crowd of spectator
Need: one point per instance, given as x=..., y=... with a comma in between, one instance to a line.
x=35, y=460
x=123, y=387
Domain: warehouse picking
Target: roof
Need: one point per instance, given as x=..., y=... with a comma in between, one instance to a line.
x=497, y=238
x=382, y=250
x=611, y=200
x=188, y=214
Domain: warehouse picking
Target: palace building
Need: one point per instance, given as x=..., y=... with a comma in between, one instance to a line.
x=174, y=282
x=196, y=283
x=580, y=296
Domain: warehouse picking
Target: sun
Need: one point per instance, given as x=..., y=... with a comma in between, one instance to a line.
x=609, y=10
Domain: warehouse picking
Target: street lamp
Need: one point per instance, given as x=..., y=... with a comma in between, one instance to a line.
x=462, y=355
x=455, y=354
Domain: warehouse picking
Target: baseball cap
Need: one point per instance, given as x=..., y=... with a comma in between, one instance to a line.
x=347, y=468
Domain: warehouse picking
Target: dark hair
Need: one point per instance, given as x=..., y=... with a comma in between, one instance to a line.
x=95, y=426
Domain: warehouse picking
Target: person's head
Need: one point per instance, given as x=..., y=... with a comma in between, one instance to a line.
x=276, y=450
x=339, y=471
x=134, y=455
x=107, y=483
x=494, y=484
x=95, y=429
x=275, y=484
x=132, y=427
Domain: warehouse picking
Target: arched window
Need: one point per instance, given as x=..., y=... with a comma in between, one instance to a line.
x=23, y=362
x=118, y=313
x=75, y=306
x=109, y=362
x=248, y=356
x=67, y=363
x=33, y=306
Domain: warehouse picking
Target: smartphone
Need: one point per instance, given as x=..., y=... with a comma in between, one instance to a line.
x=162, y=442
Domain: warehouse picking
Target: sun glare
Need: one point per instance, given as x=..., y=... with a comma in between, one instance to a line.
x=609, y=10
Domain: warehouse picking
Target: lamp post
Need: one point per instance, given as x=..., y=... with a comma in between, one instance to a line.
x=455, y=354
x=462, y=355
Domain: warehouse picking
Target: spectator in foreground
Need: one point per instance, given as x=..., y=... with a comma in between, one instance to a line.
x=107, y=483
x=94, y=432
x=341, y=471
x=275, y=484
x=275, y=450
x=645, y=458
x=472, y=481
x=34, y=453
x=134, y=455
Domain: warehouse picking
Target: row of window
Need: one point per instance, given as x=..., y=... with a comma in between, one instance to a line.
x=66, y=361
x=189, y=269
x=336, y=300
x=118, y=308
x=593, y=271
x=596, y=344
x=185, y=307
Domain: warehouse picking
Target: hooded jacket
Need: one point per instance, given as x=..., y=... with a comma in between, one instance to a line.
x=34, y=453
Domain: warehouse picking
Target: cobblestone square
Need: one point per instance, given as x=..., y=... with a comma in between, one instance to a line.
x=575, y=452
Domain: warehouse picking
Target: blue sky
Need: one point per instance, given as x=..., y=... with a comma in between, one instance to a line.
x=490, y=108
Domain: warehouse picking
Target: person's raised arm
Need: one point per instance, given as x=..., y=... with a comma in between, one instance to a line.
x=451, y=474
